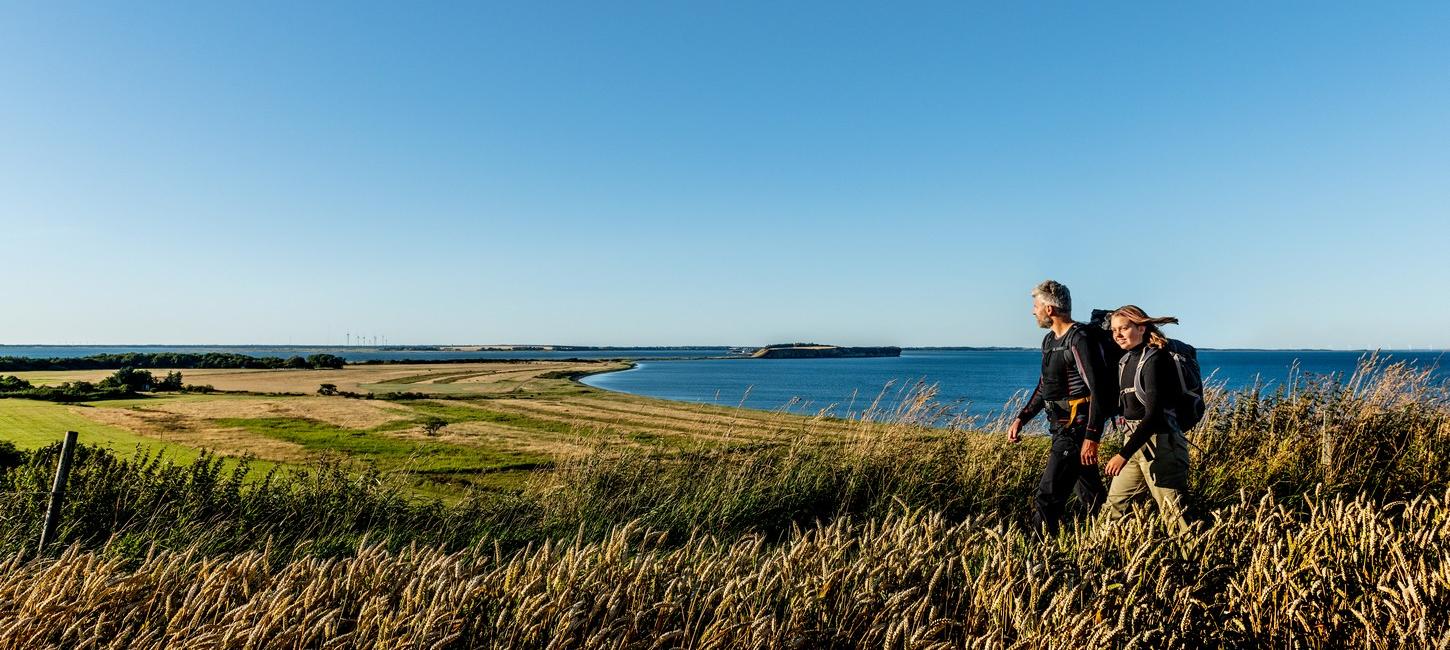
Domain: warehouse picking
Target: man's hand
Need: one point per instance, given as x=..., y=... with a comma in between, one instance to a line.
x=1089, y=452
x=1115, y=466
x=1014, y=432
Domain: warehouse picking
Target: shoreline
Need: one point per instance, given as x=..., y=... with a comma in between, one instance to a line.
x=563, y=349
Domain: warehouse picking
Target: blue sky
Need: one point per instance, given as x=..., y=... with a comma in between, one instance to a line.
x=729, y=173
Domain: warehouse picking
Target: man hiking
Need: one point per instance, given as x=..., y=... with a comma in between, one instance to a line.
x=1071, y=393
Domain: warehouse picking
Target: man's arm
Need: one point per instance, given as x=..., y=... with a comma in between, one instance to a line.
x=1034, y=405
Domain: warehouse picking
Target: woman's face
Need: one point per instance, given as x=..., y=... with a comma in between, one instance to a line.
x=1126, y=334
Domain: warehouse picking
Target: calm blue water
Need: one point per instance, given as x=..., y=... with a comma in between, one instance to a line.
x=351, y=353
x=977, y=382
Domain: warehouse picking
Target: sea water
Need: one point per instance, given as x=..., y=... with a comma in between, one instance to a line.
x=975, y=382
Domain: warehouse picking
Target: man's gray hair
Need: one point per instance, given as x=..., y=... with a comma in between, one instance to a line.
x=1055, y=294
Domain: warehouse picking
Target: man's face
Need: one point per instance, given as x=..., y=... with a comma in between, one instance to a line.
x=1043, y=313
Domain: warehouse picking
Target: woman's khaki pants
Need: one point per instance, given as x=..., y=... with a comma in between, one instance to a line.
x=1159, y=468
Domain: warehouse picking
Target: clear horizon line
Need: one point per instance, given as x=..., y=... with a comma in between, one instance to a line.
x=1426, y=349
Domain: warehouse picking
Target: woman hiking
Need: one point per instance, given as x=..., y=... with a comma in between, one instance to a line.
x=1154, y=457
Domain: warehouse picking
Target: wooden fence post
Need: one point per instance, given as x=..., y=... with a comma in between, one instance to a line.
x=57, y=490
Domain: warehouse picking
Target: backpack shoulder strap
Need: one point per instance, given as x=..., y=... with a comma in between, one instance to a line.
x=1138, y=374
x=1137, y=386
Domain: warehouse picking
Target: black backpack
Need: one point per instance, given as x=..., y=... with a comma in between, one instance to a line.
x=1099, y=332
x=1189, y=408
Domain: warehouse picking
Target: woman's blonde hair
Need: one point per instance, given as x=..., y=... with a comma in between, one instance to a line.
x=1137, y=316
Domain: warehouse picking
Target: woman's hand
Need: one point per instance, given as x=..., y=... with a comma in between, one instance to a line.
x=1089, y=452
x=1115, y=466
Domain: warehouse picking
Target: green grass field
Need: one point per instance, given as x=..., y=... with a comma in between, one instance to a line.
x=31, y=424
x=428, y=461
x=435, y=468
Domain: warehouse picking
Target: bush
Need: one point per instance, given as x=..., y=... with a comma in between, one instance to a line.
x=79, y=391
x=325, y=361
x=129, y=380
x=9, y=455
x=11, y=383
x=171, y=383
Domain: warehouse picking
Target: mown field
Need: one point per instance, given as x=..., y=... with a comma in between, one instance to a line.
x=1323, y=520
x=492, y=423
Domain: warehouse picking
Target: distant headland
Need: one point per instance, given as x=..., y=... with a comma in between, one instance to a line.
x=818, y=351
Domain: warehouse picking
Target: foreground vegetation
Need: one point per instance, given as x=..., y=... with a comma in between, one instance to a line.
x=1325, y=522
x=1341, y=573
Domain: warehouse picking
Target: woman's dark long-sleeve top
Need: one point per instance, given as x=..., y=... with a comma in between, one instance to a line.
x=1160, y=390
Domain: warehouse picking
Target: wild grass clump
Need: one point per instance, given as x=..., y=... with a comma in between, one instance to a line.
x=1383, y=431
x=773, y=484
x=137, y=503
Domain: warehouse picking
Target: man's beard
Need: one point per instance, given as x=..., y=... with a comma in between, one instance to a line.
x=1045, y=323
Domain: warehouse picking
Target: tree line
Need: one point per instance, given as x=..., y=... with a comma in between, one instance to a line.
x=126, y=382
x=171, y=360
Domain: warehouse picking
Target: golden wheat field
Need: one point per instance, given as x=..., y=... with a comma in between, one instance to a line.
x=1259, y=575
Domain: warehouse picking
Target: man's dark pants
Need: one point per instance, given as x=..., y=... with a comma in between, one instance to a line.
x=1065, y=474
